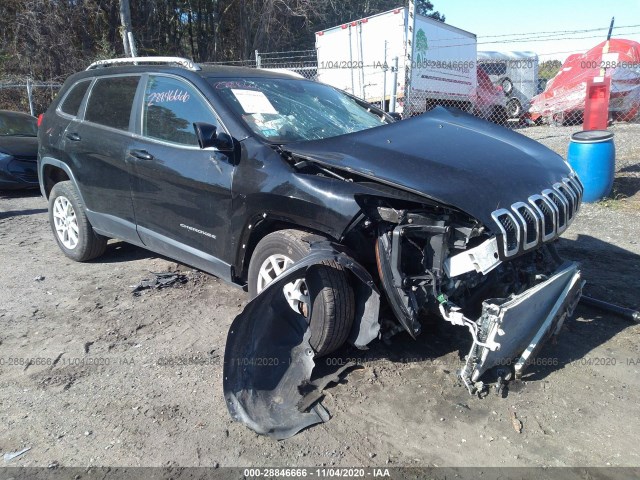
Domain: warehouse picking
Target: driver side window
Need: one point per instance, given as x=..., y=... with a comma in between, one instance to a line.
x=170, y=108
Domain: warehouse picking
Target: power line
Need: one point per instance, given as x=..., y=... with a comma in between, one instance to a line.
x=558, y=31
x=524, y=41
x=551, y=39
x=535, y=35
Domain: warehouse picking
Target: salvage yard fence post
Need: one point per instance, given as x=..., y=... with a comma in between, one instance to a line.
x=27, y=94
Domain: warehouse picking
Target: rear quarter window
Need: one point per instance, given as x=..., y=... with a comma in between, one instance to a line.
x=71, y=103
x=110, y=101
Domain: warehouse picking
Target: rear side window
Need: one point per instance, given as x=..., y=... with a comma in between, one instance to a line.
x=110, y=101
x=72, y=101
x=170, y=109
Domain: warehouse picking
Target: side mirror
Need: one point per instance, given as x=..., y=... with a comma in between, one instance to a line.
x=395, y=115
x=208, y=136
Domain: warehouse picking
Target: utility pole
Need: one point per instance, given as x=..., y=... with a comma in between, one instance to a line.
x=125, y=29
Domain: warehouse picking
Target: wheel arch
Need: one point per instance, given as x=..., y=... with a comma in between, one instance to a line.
x=259, y=229
x=53, y=171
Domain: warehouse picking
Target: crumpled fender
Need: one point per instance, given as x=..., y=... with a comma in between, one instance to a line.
x=268, y=357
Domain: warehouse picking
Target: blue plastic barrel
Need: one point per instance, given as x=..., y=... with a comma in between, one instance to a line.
x=592, y=155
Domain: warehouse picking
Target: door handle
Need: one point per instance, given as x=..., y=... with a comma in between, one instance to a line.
x=74, y=137
x=141, y=154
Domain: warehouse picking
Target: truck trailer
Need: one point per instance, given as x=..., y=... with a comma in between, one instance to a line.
x=516, y=73
x=401, y=60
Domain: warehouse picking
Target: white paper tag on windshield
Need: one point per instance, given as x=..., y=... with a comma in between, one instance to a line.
x=253, y=101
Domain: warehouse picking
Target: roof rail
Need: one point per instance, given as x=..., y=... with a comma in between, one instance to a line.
x=183, y=62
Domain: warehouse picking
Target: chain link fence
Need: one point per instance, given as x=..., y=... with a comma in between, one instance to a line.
x=515, y=89
x=27, y=95
x=303, y=63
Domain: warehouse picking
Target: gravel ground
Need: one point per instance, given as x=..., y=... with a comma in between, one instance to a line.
x=92, y=375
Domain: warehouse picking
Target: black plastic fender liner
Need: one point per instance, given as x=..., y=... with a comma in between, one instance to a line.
x=268, y=356
x=402, y=305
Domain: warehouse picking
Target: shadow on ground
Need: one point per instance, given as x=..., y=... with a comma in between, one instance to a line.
x=18, y=213
x=119, y=252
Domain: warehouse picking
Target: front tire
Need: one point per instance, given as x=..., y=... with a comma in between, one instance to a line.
x=332, y=308
x=71, y=228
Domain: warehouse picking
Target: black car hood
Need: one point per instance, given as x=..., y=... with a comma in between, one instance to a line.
x=23, y=147
x=448, y=156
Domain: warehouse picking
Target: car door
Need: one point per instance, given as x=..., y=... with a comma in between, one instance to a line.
x=181, y=193
x=96, y=146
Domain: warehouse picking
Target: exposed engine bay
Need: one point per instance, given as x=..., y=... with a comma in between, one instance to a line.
x=450, y=267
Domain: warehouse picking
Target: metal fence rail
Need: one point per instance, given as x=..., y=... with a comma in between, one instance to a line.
x=27, y=95
x=502, y=87
x=508, y=88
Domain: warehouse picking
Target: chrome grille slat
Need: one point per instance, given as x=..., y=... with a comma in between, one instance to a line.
x=510, y=230
x=560, y=205
x=546, y=215
x=571, y=182
x=541, y=218
x=571, y=198
x=530, y=222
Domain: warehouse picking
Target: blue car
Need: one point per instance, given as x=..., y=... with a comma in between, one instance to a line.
x=18, y=150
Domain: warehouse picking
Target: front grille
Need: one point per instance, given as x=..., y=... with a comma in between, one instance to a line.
x=560, y=209
x=543, y=217
x=530, y=222
x=510, y=230
x=544, y=210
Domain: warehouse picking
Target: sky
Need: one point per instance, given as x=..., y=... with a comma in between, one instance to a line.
x=525, y=21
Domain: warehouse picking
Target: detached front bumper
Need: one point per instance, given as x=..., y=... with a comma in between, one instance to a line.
x=511, y=330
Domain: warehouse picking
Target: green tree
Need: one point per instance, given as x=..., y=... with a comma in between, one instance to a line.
x=425, y=8
x=48, y=40
x=549, y=69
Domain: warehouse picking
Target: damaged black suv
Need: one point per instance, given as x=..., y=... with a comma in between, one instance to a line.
x=245, y=172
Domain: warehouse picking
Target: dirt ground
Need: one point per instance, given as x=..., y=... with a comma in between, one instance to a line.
x=92, y=375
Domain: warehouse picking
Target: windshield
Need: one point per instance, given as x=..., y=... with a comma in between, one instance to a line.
x=18, y=125
x=292, y=110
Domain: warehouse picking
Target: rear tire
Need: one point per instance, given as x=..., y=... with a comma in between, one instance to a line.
x=332, y=308
x=507, y=86
x=514, y=109
x=71, y=228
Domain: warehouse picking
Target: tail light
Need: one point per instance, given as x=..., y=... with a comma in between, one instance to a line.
x=40, y=118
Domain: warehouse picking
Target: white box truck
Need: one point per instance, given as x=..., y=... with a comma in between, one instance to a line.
x=436, y=62
x=516, y=73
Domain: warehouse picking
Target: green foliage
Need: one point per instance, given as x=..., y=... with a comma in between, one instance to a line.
x=549, y=69
x=425, y=7
x=50, y=39
x=104, y=49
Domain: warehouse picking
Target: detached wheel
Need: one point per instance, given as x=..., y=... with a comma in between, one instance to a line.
x=332, y=308
x=71, y=228
x=514, y=109
x=507, y=85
